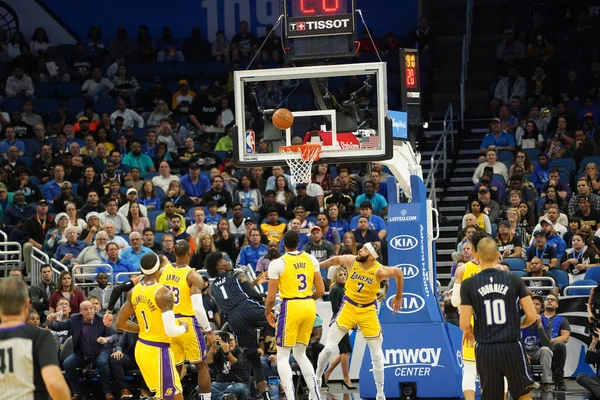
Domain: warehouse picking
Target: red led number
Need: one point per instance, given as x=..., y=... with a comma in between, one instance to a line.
x=328, y=6
x=410, y=77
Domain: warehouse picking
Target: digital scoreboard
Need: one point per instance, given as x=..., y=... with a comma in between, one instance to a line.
x=319, y=29
x=410, y=84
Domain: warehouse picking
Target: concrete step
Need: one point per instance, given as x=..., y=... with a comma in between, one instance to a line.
x=444, y=277
x=455, y=218
x=448, y=228
x=469, y=152
x=465, y=169
x=460, y=179
x=444, y=264
x=445, y=252
x=446, y=240
x=451, y=208
x=473, y=160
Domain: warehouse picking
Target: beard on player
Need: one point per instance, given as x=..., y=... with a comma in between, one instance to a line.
x=362, y=259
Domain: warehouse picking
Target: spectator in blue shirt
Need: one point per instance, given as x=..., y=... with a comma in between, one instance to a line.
x=552, y=238
x=250, y=254
x=10, y=140
x=67, y=252
x=52, y=188
x=497, y=139
x=541, y=171
x=134, y=253
x=296, y=225
x=118, y=264
x=378, y=202
x=194, y=184
x=135, y=158
x=376, y=223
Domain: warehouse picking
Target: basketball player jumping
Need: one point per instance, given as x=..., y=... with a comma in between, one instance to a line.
x=492, y=296
x=153, y=304
x=293, y=275
x=186, y=285
x=359, y=307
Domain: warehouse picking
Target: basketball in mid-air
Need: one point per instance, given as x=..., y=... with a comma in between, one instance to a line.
x=282, y=119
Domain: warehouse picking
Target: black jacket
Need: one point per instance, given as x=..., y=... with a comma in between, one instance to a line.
x=75, y=324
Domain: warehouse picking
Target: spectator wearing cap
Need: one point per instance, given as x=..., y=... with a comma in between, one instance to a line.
x=194, y=184
x=65, y=197
x=376, y=223
x=35, y=229
x=553, y=239
x=132, y=197
x=558, y=220
x=135, y=158
x=10, y=135
x=68, y=251
x=509, y=244
x=130, y=117
x=300, y=214
x=134, y=253
x=88, y=234
x=318, y=247
x=584, y=190
x=56, y=235
x=490, y=207
x=585, y=214
x=33, y=193
x=53, y=187
x=309, y=203
x=182, y=98
x=488, y=180
x=540, y=249
x=538, y=270
x=97, y=87
x=491, y=160
x=218, y=194
x=578, y=259
x=18, y=210
x=379, y=203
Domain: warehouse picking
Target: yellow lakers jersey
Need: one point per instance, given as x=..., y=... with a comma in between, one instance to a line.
x=296, y=281
x=470, y=269
x=362, y=285
x=149, y=315
x=175, y=278
x=273, y=232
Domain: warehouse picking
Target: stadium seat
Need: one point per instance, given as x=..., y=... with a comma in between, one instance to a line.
x=188, y=70
x=159, y=192
x=567, y=163
x=162, y=70
x=248, y=213
x=532, y=153
x=12, y=104
x=46, y=106
x=587, y=160
x=106, y=105
x=581, y=291
x=560, y=277
x=66, y=51
x=34, y=179
x=66, y=90
x=515, y=264
x=215, y=69
x=76, y=105
x=499, y=178
x=150, y=175
x=506, y=157
x=520, y=274
x=44, y=90
x=158, y=236
x=173, y=86
x=139, y=133
x=593, y=274
x=152, y=214
x=28, y=160
x=139, y=71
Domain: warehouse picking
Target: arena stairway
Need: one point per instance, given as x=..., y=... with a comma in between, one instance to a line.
x=452, y=194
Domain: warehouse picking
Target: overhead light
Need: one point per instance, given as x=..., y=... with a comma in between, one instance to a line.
x=425, y=125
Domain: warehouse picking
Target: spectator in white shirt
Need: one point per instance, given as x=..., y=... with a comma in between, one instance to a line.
x=118, y=220
x=130, y=117
x=97, y=87
x=19, y=85
x=199, y=226
x=113, y=237
x=132, y=197
x=165, y=178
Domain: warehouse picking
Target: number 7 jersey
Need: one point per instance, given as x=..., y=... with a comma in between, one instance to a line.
x=362, y=285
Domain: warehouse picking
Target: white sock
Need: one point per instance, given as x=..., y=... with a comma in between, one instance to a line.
x=334, y=336
x=285, y=372
x=307, y=371
x=377, y=359
x=204, y=396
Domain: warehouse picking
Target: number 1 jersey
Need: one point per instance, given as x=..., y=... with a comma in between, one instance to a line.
x=494, y=296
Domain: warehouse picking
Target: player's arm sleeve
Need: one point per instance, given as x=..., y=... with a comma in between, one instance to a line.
x=45, y=351
x=455, y=300
x=316, y=264
x=465, y=294
x=171, y=328
x=519, y=285
x=200, y=312
x=276, y=268
x=117, y=291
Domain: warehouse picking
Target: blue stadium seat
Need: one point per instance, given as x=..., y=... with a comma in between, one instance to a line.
x=173, y=86
x=74, y=186
x=34, y=179
x=140, y=133
x=124, y=236
x=150, y=175
x=152, y=214
x=248, y=213
x=76, y=105
x=582, y=291
x=159, y=192
x=106, y=105
x=520, y=274
x=506, y=157
x=29, y=151
x=162, y=70
x=139, y=71
x=188, y=70
x=46, y=106
x=593, y=274
x=532, y=153
x=203, y=82
x=500, y=178
x=567, y=163
x=28, y=160
x=158, y=236
x=145, y=85
x=215, y=69
x=66, y=90
x=44, y=90
x=12, y=104
x=587, y=160
x=66, y=51
x=312, y=219
x=560, y=277
x=515, y=264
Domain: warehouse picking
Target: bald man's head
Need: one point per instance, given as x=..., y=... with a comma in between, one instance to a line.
x=487, y=250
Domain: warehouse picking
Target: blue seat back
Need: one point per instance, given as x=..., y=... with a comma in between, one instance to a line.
x=593, y=274
x=560, y=277
x=515, y=264
x=581, y=291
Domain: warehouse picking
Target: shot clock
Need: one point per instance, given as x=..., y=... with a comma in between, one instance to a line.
x=410, y=91
x=318, y=29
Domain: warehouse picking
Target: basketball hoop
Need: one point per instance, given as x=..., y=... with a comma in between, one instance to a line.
x=300, y=159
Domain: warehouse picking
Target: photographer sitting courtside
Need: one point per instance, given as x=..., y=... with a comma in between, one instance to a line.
x=230, y=365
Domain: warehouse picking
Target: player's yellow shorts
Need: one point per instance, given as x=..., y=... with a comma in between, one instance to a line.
x=365, y=316
x=190, y=346
x=468, y=352
x=295, y=323
x=155, y=361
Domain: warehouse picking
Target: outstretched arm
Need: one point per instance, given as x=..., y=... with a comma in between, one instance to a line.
x=123, y=322
x=338, y=260
x=392, y=272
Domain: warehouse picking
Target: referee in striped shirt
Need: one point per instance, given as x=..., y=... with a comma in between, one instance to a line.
x=494, y=296
x=29, y=368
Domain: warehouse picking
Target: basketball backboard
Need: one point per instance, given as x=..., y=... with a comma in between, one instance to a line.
x=343, y=107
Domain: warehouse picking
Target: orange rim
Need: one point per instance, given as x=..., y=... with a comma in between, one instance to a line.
x=307, y=151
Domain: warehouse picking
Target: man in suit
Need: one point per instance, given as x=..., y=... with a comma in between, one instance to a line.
x=40, y=293
x=89, y=339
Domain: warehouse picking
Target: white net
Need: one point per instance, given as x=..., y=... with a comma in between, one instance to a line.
x=300, y=160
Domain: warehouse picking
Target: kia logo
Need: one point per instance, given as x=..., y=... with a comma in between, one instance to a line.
x=404, y=242
x=409, y=270
x=411, y=303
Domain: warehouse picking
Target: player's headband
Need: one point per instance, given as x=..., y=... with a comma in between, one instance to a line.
x=153, y=269
x=371, y=249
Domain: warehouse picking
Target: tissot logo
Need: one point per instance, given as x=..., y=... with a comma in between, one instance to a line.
x=320, y=25
x=404, y=242
x=411, y=303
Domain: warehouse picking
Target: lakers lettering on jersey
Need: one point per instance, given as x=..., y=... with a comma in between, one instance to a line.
x=175, y=278
x=149, y=315
x=470, y=269
x=362, y=285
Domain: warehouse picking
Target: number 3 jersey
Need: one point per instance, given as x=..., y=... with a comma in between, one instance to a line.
x=494, y=296
x=362, y=285
x=296, y=273
x=175, y=278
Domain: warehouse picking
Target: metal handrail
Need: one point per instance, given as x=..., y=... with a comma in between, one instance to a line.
x=441, y=152
x=54, y=261
x=10, y=257
x=540, y=278
x=466, y=42
x=566, y=290
x=38, y=258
